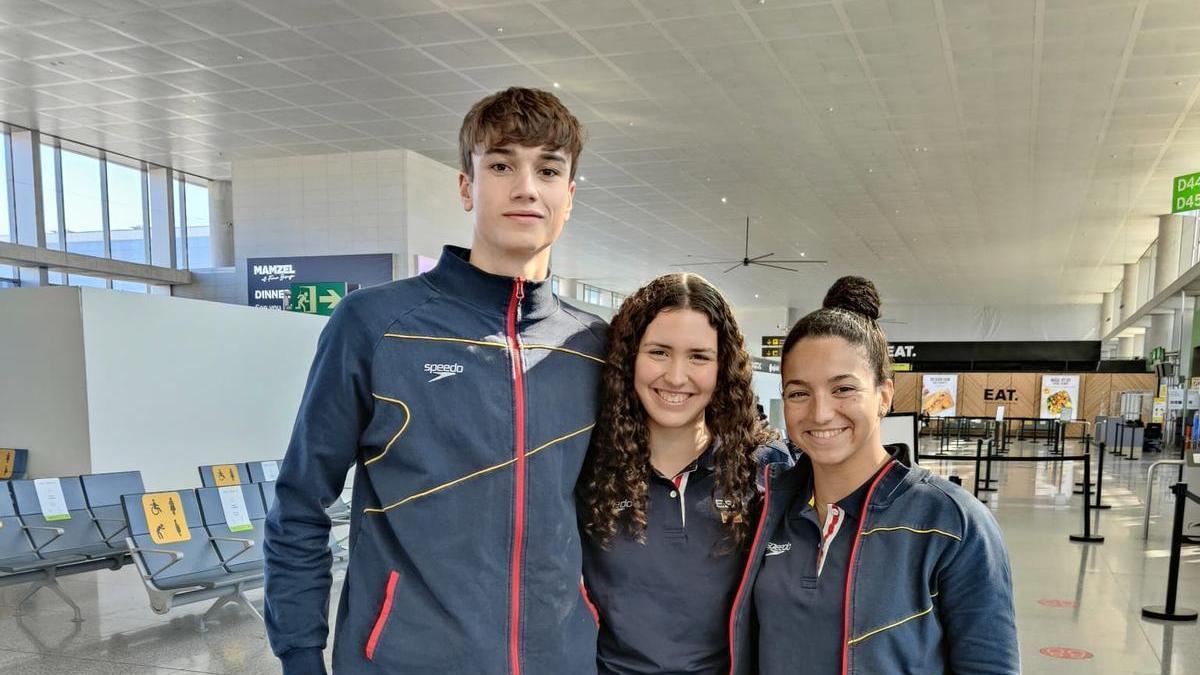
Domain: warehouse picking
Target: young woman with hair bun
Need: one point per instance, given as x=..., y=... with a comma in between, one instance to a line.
x=859, y=562
x=668, y=493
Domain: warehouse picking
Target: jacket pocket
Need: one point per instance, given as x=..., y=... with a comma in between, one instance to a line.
x=384, y=612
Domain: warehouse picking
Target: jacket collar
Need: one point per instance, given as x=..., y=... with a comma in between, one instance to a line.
x=896, y=482
x=454, y=275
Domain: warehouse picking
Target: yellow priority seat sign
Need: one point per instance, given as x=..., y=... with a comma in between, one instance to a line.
x=165, y=517
x=226, y=474
x=7, y=457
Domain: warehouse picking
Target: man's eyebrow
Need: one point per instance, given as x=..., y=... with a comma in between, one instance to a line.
x=554, y=157
x=501, y=150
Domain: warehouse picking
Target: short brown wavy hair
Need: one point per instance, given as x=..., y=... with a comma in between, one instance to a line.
x=618, y=463
x=529, y=117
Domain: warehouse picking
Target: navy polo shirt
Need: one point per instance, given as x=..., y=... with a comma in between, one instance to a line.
x=664, y=605
x=800, y=589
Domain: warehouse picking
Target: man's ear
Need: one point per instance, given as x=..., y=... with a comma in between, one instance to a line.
x=464, y=191
x=570, y=201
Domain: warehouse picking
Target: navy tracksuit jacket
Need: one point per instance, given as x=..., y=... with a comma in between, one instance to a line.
x=465, y=402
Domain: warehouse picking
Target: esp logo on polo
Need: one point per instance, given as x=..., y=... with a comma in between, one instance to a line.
x=441, y=371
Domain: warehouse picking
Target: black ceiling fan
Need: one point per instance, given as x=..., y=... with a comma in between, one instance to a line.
x=764, y=260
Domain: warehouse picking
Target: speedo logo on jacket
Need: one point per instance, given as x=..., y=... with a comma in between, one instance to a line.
x=441, y=371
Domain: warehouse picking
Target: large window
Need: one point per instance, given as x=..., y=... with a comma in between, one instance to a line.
x=196, y=223
x=126, y=212
x=50, y=191
x=6, y=196
x=83, y=212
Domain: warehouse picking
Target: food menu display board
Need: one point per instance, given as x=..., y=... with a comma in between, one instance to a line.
x=939, y=395
x=1059, y=394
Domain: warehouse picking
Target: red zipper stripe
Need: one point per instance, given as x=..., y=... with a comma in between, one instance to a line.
x=386, y=611
x=850, y=567
x=758, y=531
x=514, y=346
x=588, y=601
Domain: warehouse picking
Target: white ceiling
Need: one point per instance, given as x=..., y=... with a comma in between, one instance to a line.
x=956, y=151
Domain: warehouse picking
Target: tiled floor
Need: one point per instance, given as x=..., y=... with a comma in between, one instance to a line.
x=1083, y=599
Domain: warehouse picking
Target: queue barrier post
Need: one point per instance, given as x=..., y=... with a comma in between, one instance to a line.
x=1168, y=611
x=1087, y=537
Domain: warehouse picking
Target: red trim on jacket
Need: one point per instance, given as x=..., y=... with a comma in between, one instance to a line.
x=850, y=566
x=737, y=597
x=514, y=346
x=384, y=612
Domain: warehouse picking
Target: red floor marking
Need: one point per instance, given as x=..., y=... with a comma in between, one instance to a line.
x=1054, y=602
x=1066, y=653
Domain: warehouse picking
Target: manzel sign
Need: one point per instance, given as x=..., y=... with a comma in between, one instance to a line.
x=269, y=280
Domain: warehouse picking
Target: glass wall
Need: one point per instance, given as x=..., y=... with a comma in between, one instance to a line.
x=195, y=220
x=83, y=212
x=6, y=199
x=96, y=203
x=50, y=195
x=126, y=212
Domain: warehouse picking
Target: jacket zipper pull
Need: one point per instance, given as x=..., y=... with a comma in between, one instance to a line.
x=520, y=290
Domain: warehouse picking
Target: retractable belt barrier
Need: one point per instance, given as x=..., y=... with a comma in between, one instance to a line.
x=981, y=483
x=1168, y=611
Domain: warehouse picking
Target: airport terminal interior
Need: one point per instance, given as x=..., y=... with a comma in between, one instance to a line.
x=188, y=188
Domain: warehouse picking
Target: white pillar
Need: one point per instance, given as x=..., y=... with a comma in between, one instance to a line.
x=1139, y=346
x=1166, y=265
x=1161, y=333
x=1107, y=308
x=1129, y=291
x=1125, y=350
x=220, y=223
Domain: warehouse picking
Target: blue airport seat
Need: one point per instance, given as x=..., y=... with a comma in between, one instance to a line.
x=103, y=491
x=75, y=537
x=262, y=472
x=216, y=475
x=17, y=553
x=14, y=466
x=185, y=567
x=239, y=550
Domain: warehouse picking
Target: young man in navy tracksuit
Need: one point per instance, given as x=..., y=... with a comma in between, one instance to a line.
x=464, y=398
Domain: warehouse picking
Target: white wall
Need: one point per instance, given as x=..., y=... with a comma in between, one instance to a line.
x=755, y=322
x=43, y=405
x=954, y=323
x=173, y=383
x=434, y=214
x=387, y=201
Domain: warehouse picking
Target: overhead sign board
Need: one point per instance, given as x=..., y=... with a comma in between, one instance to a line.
x=773, y=340
x=1185, y=193
x=269, y=280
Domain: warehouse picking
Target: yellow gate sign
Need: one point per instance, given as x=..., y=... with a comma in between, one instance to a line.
x=165, y=518
x=7, y=457
x=226, y=474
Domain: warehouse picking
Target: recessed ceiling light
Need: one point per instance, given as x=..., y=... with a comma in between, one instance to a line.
x=724, y=201
x=830, y=108
x=802, y=254
x=499, y=29
x=756, y=294
x=583, y=178
x=1178, y=83
x=239, y=57
x=870, y=170
x=557, y=85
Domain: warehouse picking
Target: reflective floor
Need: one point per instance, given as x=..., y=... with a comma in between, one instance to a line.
x=1078, y=606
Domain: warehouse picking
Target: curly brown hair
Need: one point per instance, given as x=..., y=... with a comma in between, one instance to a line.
x=618, y=468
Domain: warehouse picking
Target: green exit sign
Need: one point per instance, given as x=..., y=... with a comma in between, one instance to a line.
x=318, y=298
x=1185, y=193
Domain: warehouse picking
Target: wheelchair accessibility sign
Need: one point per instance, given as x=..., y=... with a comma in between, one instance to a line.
x=226, y=474
x=165, y=518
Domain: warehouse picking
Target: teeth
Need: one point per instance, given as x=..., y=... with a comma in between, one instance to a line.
x=826, y=434
x=671, y=397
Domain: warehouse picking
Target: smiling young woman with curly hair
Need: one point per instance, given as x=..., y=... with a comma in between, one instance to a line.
x=668, y=490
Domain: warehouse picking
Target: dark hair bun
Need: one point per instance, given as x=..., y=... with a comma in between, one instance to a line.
x=854, y=294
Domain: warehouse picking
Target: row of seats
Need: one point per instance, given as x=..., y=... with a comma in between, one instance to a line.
x=57, y=526
x=13, y=463
x=189, y=545
x=213, y=475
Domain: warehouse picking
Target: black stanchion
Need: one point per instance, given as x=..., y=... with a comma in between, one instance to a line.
x=988, y=480
x=1100, y=482
x=1169, y=612
x=1087, y=536
x=978, y=452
